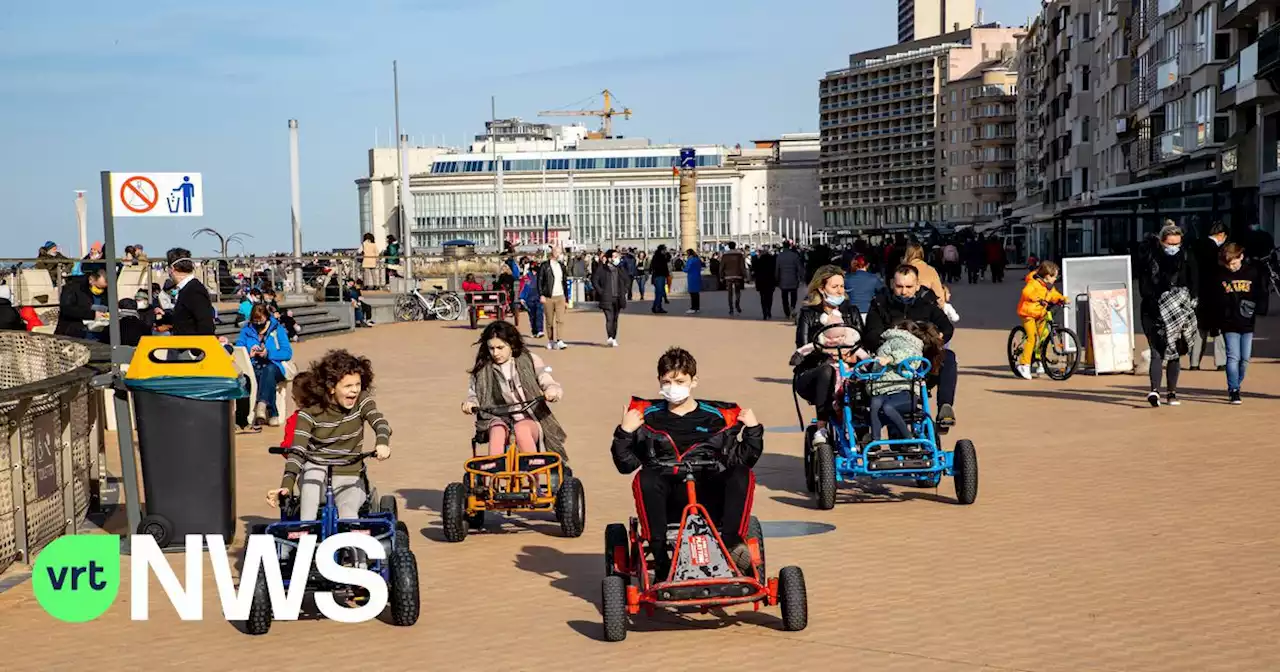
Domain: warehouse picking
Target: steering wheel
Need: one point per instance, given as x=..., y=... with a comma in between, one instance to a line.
x=816, y=339
x=508, y=410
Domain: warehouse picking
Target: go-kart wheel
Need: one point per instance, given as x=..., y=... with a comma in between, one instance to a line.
x=794, y=600
x=809, y=479
x=756, y=531
x=825, y=476
x=388, y=504
x=964, y=468
x=157, y=527
x=259, y=621
x=613, y=594
x=475, y=521
x=571, y=508
x=454, y=512
x=402, y=535
x=929, y=481
x=403, y=587
x=617, y=550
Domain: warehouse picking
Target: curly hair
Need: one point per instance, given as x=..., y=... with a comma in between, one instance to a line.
x=930, y=337
x=304, y=391
x=329, y=370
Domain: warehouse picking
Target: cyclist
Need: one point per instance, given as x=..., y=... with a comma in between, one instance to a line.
x=1037, y=295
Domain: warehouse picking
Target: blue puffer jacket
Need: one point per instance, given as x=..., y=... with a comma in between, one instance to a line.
x=276, y=341
x=693, y=267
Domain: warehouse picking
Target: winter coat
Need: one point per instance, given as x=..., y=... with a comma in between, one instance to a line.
x=888, y=309
x=898, y=345
x=1031, y=304
x=693, y=268
x=765, y=272
x=279, y=350
x=644, y=447
x=790, y=273
x=547, y=278
x=862, y=286
x=610, y=284
x=733, y=265
x=809, y=321
x=660, y=264
x=75, y=306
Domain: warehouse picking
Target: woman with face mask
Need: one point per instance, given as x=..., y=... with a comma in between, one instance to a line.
x=1168, y=283
x=826, y=304
x=611, y=282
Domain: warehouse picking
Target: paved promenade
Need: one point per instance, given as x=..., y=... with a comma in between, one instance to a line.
x=1106, y=536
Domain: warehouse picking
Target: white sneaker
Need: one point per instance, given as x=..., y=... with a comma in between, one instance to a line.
x=613, y=342
x=691, y=312
x=1024, y=372
x=561, y=345
x=551, y=345
x=819, y=436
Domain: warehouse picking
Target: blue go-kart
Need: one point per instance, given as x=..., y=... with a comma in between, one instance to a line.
x=850, y=453
x=379, y=518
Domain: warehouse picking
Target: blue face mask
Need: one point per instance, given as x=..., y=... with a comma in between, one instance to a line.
x=1172, y=249
x=833, y=301
x=907, y=300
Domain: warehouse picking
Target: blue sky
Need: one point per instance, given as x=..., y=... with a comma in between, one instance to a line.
x=209, y=87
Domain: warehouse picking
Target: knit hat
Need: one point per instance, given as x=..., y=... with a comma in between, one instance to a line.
x=49, y=243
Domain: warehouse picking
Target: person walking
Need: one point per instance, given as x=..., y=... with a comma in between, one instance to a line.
x=660, y=271
x=630, y=266
x=950, y=262
x=693, y=282
x=1207, y=252
x=733, y=275
x=1168, y=284
x=1235, y=298
x=790, y=276
x=995, y=259
x=861, y=285
x=531, y=298
x=642, y=270
x=611, y=282
x=369, y=261
x=764, y=274
x=553, y=288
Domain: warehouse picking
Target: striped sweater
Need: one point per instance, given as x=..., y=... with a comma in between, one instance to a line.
x=324, y=430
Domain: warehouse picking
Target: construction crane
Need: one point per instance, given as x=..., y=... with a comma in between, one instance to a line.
x=606, y=116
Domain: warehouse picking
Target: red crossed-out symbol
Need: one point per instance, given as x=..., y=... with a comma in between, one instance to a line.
x=139, y=194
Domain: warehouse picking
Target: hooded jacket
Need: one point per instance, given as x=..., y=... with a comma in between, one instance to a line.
x=899, y=345
x=887, y=309
x=646, y=446
x=1034, y=295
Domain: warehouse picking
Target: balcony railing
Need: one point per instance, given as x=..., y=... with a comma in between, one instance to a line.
x=1166, y=73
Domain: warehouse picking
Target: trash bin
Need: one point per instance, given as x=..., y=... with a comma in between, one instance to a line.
x=184, y=390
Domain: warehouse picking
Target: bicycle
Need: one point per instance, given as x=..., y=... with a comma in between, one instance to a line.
x=1057, y=348
x=439, y=304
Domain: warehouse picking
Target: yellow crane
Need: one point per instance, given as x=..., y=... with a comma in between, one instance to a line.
x=606, y=115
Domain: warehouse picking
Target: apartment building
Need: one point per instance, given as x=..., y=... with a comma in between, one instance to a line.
x=1248, y=103
x=977, y=143
x=878, y=165
x=921, y=19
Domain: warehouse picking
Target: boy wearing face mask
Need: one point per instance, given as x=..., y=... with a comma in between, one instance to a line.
x=653, y=431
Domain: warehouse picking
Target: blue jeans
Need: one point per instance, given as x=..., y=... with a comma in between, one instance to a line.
x=268, y=375
x=640, y=286
x=1239, y=349
x=534, y=308
x=659, y=291
x=888, y=408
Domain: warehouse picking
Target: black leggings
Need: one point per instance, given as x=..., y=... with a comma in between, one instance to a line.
x=1170, y=369
x=817, y=386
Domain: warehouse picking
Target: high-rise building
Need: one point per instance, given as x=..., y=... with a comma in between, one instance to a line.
x=921, y=19
x=976, y=144
x=878, y=123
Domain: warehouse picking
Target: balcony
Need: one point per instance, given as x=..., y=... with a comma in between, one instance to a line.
x=1166, y=73
x=1003, y=162
x=1240, y=13
x=1174, y=144
x=1267, y=57
x=980, y=141
x=1247, y=78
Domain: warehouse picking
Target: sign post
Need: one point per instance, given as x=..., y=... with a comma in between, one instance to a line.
x=137, y=195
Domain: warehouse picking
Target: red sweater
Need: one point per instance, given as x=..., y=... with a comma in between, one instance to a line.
x=472, y=286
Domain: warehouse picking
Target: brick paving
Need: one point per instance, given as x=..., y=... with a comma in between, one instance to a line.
x=1106, y=536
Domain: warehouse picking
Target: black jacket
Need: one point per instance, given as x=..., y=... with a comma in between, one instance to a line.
x=10, y=319
x=790, y=269
x=547, y=279
x=610, y=284
x=645, y=446
x=132, y=329
x=764, y=271
x=1159, y=272
x=888, y=309
x=75, y=305
x=193, y=311
x=660, y=265
x=808, y=321
x=1225, y=294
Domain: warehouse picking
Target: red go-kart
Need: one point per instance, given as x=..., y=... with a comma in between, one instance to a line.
x=703, y=574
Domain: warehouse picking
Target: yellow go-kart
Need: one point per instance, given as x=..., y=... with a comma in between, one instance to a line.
x=513, y=482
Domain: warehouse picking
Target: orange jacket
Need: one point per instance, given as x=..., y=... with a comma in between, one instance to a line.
x=1035, y=295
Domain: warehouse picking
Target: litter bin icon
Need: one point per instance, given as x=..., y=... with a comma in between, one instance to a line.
x=184, y=390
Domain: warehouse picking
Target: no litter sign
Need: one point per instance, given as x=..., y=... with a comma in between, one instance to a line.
x=157, y=195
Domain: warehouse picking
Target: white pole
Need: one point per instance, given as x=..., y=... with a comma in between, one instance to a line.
x=295, y=200
x=82, y=215
x=573, y=210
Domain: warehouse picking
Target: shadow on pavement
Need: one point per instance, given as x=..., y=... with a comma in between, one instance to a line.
x=670, y=621
x=495, y=522
x=1125, y=399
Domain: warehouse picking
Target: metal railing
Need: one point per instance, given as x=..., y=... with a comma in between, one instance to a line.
x=51, y=442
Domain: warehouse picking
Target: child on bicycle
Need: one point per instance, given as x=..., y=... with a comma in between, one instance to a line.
x=507, y=373
x=666, y=429
x=891, y=393
x=333, y=427
x=1033, y=305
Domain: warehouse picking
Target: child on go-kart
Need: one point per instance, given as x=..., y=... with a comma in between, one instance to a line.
x=506, y=373
x=652, y=431
x=891, y=395
x=334, y=426
x=1036, y=297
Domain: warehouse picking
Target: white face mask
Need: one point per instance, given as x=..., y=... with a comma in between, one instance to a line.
x=675, y=394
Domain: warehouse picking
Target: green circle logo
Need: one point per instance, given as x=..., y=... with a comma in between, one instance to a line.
x=76, y=578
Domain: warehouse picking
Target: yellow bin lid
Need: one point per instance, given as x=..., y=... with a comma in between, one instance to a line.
x=180, y=356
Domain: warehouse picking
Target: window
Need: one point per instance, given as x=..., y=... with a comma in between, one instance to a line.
x=1222, y=46
x=1172, y=41
x=1204, y=105
x=617, y=163
x=584, y=164
x=1173, y=115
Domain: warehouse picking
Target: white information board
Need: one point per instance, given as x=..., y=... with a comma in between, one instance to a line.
x=157, y=195
x=1111, y=279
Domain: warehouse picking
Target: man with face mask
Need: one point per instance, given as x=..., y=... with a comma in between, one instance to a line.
x=192, y=309
x=656, y=431
x=905, y=299
x=83, y=299
x=611, y=283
